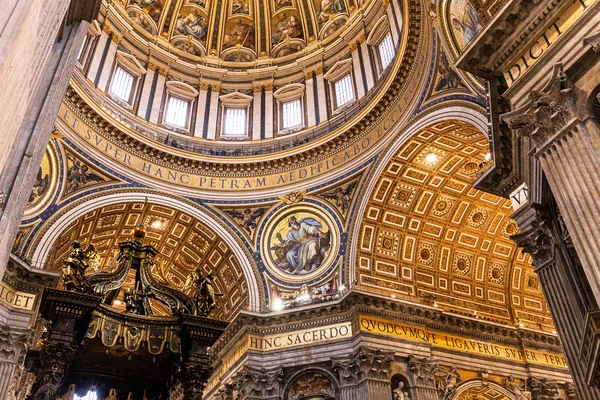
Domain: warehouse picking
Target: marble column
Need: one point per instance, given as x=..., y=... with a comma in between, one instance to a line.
x=159, y=92
x=107, y=66
x=21, y=156
x=256, y=113
x=201, y=115
x=558, y=271
x=310, y=99
x=562, y=144
x=146, y=91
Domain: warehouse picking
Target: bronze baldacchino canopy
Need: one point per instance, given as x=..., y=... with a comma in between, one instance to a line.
x=87, y=343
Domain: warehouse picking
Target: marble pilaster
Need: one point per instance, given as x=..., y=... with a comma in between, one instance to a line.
x=107, y=67
x=310, y=100
x=159, y=92
x=146, y=90
x=570, y=163
x=201, y=116
x=256, y=113
x=321, y=97
x=97, y=57
x=269, y=112
x=358, y=72
x=211, y=133
x=368, y=65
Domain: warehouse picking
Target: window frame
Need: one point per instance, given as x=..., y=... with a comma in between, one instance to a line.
x=235, y=100
x=183, y=92
x=132, y=66
x=132, y=90
x=377, y=35
x=382, y=67
x=287, y=94
x=336, y=73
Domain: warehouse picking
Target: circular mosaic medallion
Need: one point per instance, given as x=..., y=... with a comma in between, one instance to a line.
x=299, y=242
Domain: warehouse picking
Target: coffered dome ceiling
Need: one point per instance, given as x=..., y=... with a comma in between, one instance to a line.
x=428, y=234
x=184, y=243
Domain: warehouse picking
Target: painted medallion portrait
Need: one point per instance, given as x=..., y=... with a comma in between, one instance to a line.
x=300, y=242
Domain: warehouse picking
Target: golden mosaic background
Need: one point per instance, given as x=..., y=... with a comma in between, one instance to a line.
x=183, y=241
x=427, y=233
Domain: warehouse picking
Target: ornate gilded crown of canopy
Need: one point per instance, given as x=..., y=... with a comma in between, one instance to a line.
x=86, y=341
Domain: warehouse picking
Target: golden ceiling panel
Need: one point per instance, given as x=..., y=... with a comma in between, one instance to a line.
x=184, y=243
x=427, y=233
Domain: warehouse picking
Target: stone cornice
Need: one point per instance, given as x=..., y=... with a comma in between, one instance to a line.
x=357, y=302
x=511, y=28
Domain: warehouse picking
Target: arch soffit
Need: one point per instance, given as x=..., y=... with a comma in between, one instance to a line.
x=460, y=113
x=57, y=226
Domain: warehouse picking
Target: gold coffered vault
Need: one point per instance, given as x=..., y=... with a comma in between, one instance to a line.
x=299, y=200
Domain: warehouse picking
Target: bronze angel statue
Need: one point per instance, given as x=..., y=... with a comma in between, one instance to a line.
x=75, y=265
x=203, y=292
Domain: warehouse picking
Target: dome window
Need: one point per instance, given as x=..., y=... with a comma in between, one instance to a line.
x=177, y=114
x=344, y=93
x=386, y=51
x=341, y=84
x=290, y=101
x=125, y=79
x=122, y=84
x=234, y=120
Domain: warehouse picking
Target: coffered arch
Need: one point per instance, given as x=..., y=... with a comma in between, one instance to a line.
x=187, y=238
x=426, y=234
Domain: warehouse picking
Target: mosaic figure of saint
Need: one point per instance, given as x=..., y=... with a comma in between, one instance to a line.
x=304, y=247
x=289, y=27
x=240, y=7
x=241, y=34
x=193, y=24
x=329, y=8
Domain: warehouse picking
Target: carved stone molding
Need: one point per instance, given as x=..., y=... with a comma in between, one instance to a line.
x=423, y=370
x=251, y=383
x=13, y=345
x=350, y=369
x=537, y=239
x=548, y=113
x=225, y=393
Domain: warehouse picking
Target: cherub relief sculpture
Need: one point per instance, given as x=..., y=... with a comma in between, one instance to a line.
x=203, y=291
x=75, y=265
